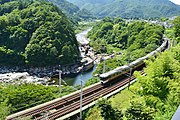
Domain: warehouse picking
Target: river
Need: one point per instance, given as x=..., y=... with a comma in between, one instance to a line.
x=81, y=37
x=8, y=76
x=75, y=79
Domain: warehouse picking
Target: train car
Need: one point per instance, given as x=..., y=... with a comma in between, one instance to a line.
x=113, y=74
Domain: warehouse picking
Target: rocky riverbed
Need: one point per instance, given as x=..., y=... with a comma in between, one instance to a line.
x=22, y=77
x=41, y=75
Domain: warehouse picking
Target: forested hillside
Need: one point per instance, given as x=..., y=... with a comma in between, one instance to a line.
x=66, y=6
x=133, y=39
x=122, y=35
x=72, y=11
x=129, y=8
x=35, y=33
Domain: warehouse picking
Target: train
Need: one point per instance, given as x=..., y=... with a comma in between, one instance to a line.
x=119, y=71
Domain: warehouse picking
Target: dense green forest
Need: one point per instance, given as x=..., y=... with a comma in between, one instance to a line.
x=35, y=33
x=129, y=8
x=155, y=96
x=128, y=40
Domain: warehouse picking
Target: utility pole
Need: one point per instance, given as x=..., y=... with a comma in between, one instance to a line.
x=104, y=66
x=130, y=73
x=130, y=70
x=60, y=80
x=81, y=95
x=47, y=115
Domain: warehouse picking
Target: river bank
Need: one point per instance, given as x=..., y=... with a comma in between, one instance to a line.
x=70, y=73
x=41, y=75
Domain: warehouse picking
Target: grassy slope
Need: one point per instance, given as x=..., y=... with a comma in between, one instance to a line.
x=123, y=98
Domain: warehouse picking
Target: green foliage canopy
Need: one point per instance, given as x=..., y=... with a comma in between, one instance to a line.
x=134, y=39
x=177, y=28
x=35, y=33
x=15, y=98
x=159, y=86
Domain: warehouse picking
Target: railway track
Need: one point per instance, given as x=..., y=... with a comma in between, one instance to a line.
x=71, y=103
x=86, y=100
x=60, y=103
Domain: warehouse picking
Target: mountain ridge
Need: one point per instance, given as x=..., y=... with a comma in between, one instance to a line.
x=72, y=11
x=129, y=8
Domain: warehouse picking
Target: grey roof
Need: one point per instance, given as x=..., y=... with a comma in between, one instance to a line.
x=176, y=116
